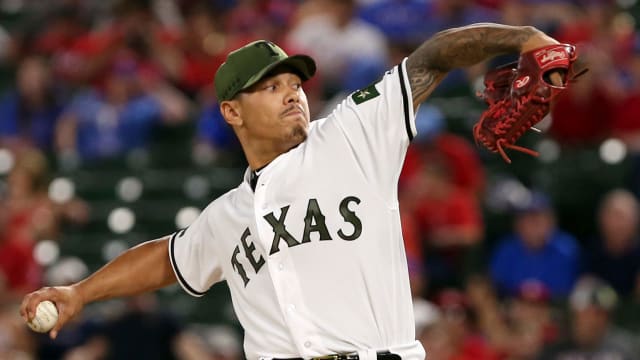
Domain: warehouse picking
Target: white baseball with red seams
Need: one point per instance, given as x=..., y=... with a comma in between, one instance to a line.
x=45, y=318
x=314, y=257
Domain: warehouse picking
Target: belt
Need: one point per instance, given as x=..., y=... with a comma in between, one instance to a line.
x=381, y=355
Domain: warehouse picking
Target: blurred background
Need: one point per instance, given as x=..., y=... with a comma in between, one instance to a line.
x=110, y=135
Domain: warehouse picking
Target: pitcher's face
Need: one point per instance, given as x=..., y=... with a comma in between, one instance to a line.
x=276, y=109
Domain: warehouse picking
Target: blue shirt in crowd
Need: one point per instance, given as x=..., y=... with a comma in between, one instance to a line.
x=107, y=131
x=556, y=264
x=213, y=129
x=21, y=122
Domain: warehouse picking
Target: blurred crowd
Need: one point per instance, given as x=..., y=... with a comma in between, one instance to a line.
x=85, y=82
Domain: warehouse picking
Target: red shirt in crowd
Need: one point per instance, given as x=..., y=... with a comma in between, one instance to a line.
x=582, y=121
x=460, y=155
x=18, y=269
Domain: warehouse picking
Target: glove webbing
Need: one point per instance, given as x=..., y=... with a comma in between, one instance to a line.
x=503, y=127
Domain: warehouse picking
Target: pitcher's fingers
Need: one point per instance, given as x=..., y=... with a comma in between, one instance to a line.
x=59, y=324
x=53, y=334
x=556, y=78
x=23, y=308
x=29, y=304
x=31, y=301
x=64, y=315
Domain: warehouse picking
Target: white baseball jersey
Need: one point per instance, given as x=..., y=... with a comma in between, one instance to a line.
x=314, y=258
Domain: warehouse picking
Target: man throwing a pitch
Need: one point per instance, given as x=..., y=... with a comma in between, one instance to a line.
x=309, y=242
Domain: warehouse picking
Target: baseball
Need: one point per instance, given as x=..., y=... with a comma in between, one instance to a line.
x=46, y=317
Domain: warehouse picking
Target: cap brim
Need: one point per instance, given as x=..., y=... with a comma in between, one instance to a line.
x=304, y=65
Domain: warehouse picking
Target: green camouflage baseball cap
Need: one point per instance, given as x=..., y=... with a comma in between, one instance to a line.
x=250, y=63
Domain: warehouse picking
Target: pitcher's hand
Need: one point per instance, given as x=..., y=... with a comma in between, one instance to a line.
x=66, y=298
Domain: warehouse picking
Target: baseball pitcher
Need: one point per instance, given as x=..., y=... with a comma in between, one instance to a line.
x=310, y=242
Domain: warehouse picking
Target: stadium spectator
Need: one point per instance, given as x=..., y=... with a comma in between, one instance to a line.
x=536, y=250
x=627, y=112
x=213, y=133
x=30, y=110
x=404, y=21
x=435, y=142
x=463, y=337
x=593, y=336
x=26, y=216
x=580, y=114
x=120, y=118
x=317, y=33
x=130, y=33
x=615, y=255
x=518, y=328
x=190, y=55
x=447, y=219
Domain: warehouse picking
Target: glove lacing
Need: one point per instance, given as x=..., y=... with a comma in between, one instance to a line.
x=503, y=127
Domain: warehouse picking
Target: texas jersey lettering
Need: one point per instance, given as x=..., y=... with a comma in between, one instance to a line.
x=321, y=228
x=314, y=221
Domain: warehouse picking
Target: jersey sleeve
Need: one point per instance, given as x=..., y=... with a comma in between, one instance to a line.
x=379, y=124
x=193, y=257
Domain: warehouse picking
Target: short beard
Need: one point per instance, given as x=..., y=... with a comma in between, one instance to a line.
x=297, y=136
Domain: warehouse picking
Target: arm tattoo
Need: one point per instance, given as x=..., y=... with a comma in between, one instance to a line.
x=460, y=47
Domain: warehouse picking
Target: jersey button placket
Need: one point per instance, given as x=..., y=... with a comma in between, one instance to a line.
x=259, y=209
x=285, y=281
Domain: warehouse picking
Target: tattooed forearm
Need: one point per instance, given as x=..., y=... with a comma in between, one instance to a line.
x=469, y=45
x=461, y=47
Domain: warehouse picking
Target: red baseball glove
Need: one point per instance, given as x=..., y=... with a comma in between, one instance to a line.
x=519, y=96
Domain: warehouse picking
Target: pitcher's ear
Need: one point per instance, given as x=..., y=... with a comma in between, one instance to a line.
x=230, y=110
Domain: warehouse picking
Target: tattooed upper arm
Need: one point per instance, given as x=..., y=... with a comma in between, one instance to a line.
x=460, y=47
x=423, y=79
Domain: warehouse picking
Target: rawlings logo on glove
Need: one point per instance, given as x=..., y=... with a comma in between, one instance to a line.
x=520, y=96
x=545, y=56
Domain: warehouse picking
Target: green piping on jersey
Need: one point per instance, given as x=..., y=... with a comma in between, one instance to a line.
x=365, y=94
